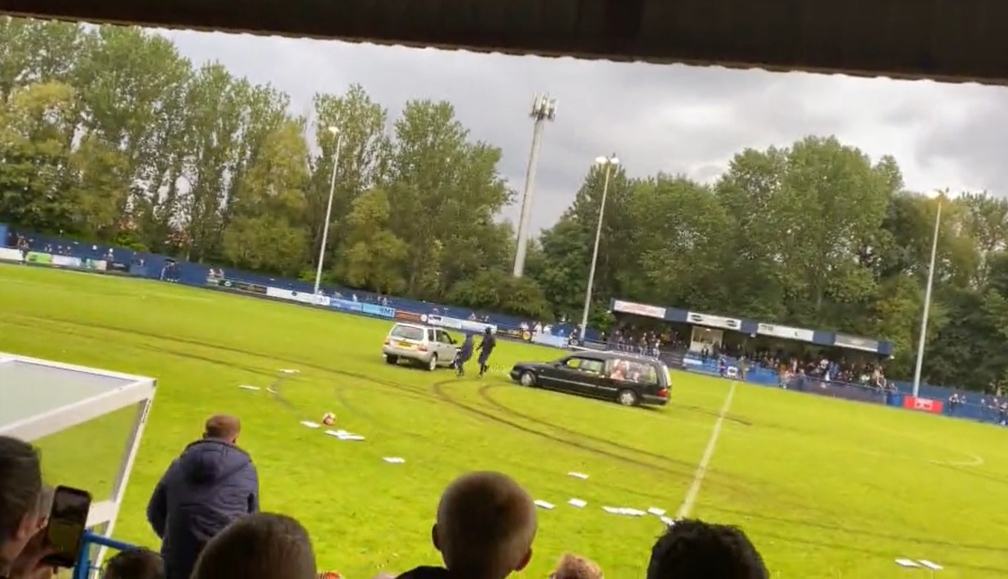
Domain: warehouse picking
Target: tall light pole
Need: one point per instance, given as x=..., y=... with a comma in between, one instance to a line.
x=543, y=109
x=328, y=212
x=927, y=305
x=608, y=162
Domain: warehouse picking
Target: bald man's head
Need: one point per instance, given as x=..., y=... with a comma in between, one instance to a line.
x=223, y=427
x=485, y=526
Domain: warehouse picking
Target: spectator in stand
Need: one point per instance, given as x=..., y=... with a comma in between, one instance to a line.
x=260, y=546
x=485, y=527
x=135, y=564
x=692, y=549
x=22, y=512
x=210, y=485
x=576, y=567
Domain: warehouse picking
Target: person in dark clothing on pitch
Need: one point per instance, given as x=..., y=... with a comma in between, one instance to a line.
x=212, y=484
x=485, y=348
x=464, y=354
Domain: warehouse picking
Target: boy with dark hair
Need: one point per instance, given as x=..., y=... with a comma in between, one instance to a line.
x=484, y=530
x=135, y=564
x=693, y=549
x=261, y=546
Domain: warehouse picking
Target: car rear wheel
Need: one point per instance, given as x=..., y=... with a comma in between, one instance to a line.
x=527, y=379
x=627, y=398
x=390, y=359
x=432, y=365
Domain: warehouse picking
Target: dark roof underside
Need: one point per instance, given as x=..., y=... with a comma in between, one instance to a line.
x=952, y=40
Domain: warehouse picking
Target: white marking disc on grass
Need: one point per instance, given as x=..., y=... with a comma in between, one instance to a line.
x=289, y=371
x=394, y=459
x=344, y=435
x=248, y=387
x=310, y=424
x=656, y=511
x=907, y=563
x=625, y=511
x=930, y=565
x=579, y=475
x=579, y=503
x=544, y=504
x=701, y=471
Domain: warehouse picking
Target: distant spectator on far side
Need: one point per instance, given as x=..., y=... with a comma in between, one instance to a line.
x=484, y=530
x=261, y=546
x=135, y=564
x=693, y=549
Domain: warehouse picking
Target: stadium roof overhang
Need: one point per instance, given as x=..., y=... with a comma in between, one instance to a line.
x=949, y=40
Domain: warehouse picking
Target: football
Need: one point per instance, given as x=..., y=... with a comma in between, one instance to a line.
x=328, y=419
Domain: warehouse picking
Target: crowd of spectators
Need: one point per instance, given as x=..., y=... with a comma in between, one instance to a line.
x=206, y=510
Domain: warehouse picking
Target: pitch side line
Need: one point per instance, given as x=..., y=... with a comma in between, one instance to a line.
x=687, y=505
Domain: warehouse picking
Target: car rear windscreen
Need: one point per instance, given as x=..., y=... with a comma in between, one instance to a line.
x=407, y=333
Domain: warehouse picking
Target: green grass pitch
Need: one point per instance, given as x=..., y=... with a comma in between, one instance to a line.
x=824, y=488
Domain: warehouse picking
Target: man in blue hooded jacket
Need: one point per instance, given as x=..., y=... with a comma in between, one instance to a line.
x=210, y=485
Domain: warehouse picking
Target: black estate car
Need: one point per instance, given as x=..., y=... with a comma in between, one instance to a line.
x=626, y=378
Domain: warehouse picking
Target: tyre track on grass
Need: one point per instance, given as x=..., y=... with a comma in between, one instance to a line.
x=438, y=389
x=484, y=394
x=439, y=395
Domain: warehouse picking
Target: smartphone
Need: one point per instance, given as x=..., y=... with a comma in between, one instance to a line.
x=67, y=521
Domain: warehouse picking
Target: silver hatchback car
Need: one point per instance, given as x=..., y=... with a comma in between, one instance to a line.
x=431, y=347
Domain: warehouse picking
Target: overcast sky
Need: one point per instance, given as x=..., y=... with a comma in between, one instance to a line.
x=670, y=118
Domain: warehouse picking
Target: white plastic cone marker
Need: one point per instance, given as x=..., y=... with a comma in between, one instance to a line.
x=310, y=424
x=394, y=459
x=544, y=504
x=248, y=387
x=579, y=503
x=930, y=565
x=907, y=563
x=656, y=511
x=579, y=475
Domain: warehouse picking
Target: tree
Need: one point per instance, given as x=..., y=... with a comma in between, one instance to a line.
x=446, y=191
x=36, y=130
x=375, y=256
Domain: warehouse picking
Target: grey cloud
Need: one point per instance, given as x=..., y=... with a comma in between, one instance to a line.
x=675, y=119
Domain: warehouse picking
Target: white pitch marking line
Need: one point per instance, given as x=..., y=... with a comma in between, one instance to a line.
x=701, y=471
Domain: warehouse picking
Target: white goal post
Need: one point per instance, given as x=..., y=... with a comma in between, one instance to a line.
x=39, y=398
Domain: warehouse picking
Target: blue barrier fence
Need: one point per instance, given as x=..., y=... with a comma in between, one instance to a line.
x=92, y=543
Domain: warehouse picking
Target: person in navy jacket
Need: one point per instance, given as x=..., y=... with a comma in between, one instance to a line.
x=210, y=485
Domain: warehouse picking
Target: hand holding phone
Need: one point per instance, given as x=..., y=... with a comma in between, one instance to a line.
x=67, y=522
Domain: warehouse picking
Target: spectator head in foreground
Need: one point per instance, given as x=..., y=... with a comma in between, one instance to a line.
x=263, y=546
x=576, y=567
x=223, y=427
x=484, y=530
x=135, y=564
x=21, y=511
x=693, y=549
